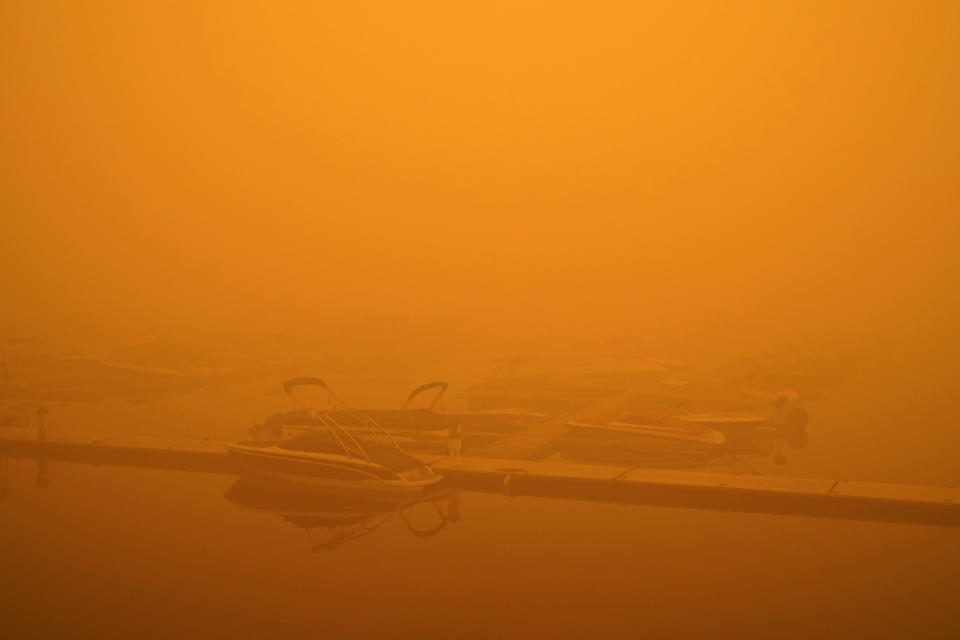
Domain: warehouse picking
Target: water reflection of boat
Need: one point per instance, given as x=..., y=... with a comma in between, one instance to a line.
x=332, y=519
x=358, y=455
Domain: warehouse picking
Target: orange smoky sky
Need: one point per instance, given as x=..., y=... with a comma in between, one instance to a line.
x=612, y=166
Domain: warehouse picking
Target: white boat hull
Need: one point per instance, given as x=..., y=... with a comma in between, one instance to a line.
x=326, y=471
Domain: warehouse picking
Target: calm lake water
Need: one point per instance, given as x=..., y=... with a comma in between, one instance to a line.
x=127, y=553
x=117, y=552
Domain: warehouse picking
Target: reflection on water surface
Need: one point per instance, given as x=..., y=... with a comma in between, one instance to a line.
x=332, y=519
x=124, y=552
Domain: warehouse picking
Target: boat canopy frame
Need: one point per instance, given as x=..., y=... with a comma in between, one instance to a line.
x=350, y=444
x=439, y=384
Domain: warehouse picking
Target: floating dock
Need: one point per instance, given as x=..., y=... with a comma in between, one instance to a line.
x=836, y=499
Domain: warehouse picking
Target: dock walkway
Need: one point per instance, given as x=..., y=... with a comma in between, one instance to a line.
x=828, y=498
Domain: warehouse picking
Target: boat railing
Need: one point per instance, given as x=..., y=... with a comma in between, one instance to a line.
x=440, y=385
x=343, y=436
x=378, y=433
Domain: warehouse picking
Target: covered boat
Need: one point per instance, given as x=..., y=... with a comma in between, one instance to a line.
x=656, y=430
x=414, y=429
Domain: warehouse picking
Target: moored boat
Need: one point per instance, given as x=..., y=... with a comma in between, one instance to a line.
x=356, y=456
x=658, y=431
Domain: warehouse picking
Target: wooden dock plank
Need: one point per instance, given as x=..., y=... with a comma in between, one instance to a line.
x=897, y=492
x=847, y=499
x=508, y=466
x=767, y=484
x=529, y=443
x=124, y=450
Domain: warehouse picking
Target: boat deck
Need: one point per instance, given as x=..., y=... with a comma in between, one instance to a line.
x=826, y=498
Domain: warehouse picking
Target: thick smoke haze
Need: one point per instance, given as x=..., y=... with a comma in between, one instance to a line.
x=688, y=268
x=696, y=173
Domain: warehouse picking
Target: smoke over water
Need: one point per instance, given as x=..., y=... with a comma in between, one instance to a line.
x=729, y=201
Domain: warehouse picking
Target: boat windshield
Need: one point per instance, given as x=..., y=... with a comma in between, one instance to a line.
x=324, y=441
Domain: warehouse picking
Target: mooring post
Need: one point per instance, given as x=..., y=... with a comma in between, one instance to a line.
x=42, y=414
x=455, y=444
x=43, y=468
